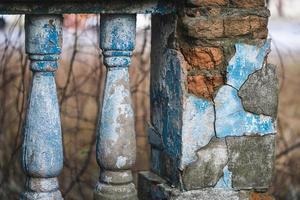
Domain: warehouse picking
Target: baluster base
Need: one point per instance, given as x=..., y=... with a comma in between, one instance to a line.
x=115, y=192
x=54, y=195
x=41, y=189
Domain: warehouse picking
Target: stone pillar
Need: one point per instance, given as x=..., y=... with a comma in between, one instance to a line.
x=42, y=150
x=213, y=103
x=116, y=145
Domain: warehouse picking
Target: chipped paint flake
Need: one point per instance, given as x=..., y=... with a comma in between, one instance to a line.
x=121, y=161
x=225, y=181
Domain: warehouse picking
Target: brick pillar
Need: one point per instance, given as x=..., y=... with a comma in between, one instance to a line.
x=213, y=103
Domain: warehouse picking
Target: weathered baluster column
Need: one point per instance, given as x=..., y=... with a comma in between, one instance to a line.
x=116, y=146
x=42, y=156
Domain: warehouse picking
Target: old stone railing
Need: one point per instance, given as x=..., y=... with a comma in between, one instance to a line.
x=213, y=99
x=42, y=151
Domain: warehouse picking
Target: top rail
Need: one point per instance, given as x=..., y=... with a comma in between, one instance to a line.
x=86, y=6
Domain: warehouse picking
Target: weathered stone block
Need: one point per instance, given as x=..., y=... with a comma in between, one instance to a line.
x=208, y=168
x=251, y=161
x=259, y=93
x=152, y=187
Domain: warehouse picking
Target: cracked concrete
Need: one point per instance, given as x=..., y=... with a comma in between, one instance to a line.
x=208, y=169
x=259, y=94
x=251, y=161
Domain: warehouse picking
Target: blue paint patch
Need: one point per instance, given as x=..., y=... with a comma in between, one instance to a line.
x=172, y=121
x=233, y=120
x=197, y=129
x=247, y=59
x=43, y=34
x=225, y=181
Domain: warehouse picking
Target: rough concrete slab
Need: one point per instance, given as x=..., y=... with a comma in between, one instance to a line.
x=251, y=161
x=152, y=187
x=259, y=93
x=208, y=168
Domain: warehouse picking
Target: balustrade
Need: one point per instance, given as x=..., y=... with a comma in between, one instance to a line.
x=42, y=148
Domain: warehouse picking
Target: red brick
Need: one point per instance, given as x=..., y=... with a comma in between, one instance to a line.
x=203, y=57
x=246, y=25
x=260, y=196
x=248, y=3
x=203, y=86
x=202, y=27
x=208, y=2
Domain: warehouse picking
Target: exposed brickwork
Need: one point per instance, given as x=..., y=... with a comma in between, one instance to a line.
x=248, y=3
x=208, y=28
x=261, y=196
x=204, y=86
x=207, y=2
x=203, y=57
x=229, y=3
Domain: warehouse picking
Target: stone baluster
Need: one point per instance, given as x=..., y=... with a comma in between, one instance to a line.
x=116, y=145
x=42, y=150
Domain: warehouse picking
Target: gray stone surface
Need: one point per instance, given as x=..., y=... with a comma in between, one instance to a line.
x=251, y=161
x=208, y=168
x=152, y=187
x=259, y=93
x=211, y=194
x=148, y=186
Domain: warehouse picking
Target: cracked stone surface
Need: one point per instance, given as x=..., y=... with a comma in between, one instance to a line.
x=251, y=161
x=247, y=59
x=259, y=93
x=153, y=187
x=197, y=128
x=233, y=120
x=208, y=169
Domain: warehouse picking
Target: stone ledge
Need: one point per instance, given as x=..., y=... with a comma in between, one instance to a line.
x=153, y=187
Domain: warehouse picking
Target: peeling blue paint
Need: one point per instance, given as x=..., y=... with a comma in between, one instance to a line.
x=116, y=144
x=247, y=59
x=42, y=148
x=172, y=122
x=225, y=181
x=233, y=120
x=197, y=128
x=44, y=36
